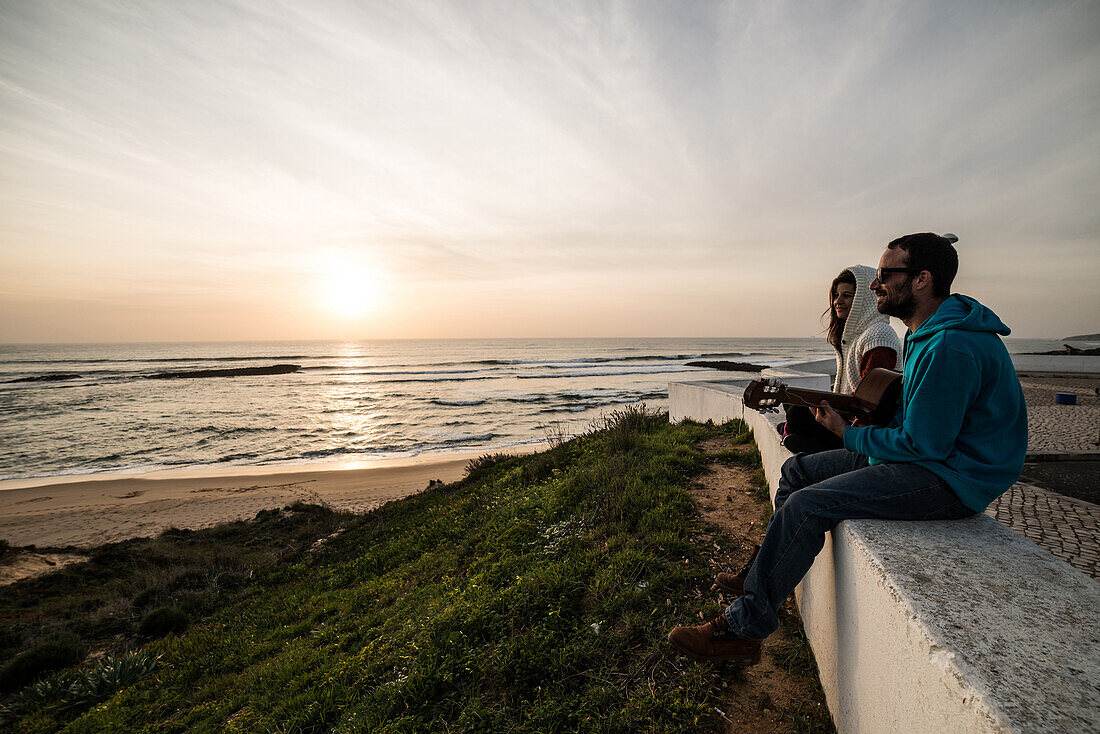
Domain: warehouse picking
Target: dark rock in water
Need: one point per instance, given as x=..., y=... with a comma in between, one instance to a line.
x=275, y=369
x=47, y=378
x=727, y=366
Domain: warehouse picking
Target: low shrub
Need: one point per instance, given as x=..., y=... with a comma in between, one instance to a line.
x=482, y=465
x=193, y=578
x=624, y=427
x=231, y=580
x=146, y=598
x=75, y=690
x=163, y=621
x=45, y=657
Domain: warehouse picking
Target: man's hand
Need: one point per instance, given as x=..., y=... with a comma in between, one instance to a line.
x=829, y=418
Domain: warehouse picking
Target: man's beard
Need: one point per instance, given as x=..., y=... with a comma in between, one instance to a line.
x=900, y=304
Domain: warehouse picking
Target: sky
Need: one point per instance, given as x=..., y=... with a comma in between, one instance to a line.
x=181, y=170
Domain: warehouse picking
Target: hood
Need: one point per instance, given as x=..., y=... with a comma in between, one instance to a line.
x=962, y=313
x=864, y=310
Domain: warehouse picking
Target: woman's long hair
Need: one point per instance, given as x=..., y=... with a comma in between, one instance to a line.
x=836, y=325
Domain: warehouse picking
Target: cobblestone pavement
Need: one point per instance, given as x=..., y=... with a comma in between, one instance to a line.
x=1062, y=429
x=1067, y=527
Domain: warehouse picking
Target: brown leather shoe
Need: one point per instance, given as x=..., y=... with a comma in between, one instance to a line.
x=713, y=642
x=735, y=583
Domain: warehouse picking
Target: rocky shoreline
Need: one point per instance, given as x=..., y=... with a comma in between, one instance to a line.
x=727, y=366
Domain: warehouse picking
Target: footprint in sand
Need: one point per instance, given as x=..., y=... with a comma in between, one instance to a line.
x=33, y=499
x=230, y=490
x=130, y=495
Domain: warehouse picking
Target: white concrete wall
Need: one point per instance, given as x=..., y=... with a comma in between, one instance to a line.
x=1062, y=364
x=935, y=627
x=1065, y=364
x=817, y=367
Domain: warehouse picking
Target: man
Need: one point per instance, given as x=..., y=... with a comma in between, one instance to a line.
x=957, y=442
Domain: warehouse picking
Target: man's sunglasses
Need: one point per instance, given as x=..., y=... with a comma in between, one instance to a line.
x=880, y=274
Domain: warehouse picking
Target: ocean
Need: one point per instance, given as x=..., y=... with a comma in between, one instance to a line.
x=349, y=402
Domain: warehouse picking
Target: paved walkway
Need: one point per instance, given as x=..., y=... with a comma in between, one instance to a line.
x=1062, y=429
x=1067, y=527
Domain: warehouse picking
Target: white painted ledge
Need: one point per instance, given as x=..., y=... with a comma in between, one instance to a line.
x=1058, y=364
x=934, y=627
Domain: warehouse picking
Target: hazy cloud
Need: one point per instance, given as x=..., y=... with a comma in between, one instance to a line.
x=737, y=153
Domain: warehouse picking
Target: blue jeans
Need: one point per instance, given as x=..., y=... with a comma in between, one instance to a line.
x=815, y=493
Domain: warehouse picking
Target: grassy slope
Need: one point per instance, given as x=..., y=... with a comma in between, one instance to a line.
x=533, y=596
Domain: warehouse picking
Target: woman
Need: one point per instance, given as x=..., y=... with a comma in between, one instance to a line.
x=863, y=339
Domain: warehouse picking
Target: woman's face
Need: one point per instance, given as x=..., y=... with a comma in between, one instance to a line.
x=842, y=299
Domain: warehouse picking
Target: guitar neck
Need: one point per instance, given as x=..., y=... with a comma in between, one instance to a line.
x=843, y=404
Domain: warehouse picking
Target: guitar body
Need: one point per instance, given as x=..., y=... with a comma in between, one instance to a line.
x=873, y=403
x=881, y=388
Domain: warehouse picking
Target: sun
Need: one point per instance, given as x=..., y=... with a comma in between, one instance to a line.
x=349, y=290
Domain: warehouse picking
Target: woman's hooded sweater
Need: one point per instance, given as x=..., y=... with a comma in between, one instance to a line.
x=865, y=329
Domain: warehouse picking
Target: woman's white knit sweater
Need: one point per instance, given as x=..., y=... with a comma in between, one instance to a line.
x=864, y=330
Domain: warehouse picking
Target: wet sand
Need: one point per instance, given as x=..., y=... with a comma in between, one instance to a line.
x=89, y=512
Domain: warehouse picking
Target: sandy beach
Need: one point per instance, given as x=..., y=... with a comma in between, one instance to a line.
x=103, y=510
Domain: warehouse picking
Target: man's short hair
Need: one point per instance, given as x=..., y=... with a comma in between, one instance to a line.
x=931, y=252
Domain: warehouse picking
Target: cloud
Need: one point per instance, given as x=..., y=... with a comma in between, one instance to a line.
x=486, y=142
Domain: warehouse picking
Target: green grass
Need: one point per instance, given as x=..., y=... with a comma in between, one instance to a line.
x=102, y=600
x=808, y=718
x=794, y=654
x=534, y=596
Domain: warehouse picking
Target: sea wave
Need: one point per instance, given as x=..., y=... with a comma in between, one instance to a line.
x=227, y=431
x=157, y=360
x=567, y=370
x=49, y=377
x=407, y=447
x=334, y=361
x=606, y=360
x=435, y=379
x=109, y=376
x=386, y=373
x=568, y=408
x=614, y=373
x=467, y=439
x=588, y=403
x=241, y=456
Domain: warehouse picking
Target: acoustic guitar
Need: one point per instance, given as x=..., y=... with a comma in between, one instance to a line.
x=874, y=402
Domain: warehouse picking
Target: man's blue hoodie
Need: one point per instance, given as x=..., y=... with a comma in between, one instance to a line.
x=962, y=414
